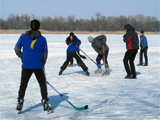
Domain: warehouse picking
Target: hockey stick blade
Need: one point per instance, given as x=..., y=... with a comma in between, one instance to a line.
x=81, y=108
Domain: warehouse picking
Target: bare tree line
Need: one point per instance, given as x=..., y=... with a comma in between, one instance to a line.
x=97, y=23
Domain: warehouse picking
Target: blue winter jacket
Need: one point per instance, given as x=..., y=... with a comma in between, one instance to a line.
x=143, y=41
x=33, y=50
x=72, y=47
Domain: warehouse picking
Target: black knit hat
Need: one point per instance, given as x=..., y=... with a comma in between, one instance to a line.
x=142, y=31
x=35, y=24
x=71, y=34
x=125, y=27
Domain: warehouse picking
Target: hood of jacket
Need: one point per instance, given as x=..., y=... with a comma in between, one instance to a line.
x=33, y=34
x=130, y=28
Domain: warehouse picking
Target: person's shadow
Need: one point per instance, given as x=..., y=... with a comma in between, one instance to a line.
x=54, y=101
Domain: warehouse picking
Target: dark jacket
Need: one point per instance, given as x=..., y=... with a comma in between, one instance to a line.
x=73, y=44
x=131, y=38
x=98, y=44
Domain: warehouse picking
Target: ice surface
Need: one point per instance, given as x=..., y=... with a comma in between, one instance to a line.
x=108, y=97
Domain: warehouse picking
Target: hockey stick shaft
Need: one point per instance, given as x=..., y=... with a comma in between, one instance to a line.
x=104, y=59
x=79, y=109
x=86, y=55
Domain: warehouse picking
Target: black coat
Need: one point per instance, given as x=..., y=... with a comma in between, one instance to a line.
x=131, y=38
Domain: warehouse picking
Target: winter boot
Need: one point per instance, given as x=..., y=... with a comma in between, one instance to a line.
x=87, y=73
x=146, y=64
x=98, y=71
x=47, y=107
x=70, y=65
x=140, y=63
x=20, y=104
x=60, y=72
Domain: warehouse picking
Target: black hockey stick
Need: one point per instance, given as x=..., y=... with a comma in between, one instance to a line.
x=86, y=55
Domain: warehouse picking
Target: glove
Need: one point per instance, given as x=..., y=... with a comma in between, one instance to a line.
x=83, y=57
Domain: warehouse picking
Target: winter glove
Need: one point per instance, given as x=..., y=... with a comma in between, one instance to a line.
x=68, y=41
x=82, y=56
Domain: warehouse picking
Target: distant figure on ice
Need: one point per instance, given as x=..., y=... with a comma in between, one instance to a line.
x=97, y=44
x=144, y=49
x=132, y=45
x=34, y=56
x=68, y=42
x=72, y=51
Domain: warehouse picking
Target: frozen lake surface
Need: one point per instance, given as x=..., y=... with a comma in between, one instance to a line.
x=108, y=97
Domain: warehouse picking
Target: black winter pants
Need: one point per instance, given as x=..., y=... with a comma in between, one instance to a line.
x=40, y=75
x=145, y=55
x=70, y=56
x=130, y=56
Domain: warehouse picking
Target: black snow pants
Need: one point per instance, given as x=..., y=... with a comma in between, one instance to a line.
x=70, y=56
x=145, y=55
x=40, y=75
x=130, y=56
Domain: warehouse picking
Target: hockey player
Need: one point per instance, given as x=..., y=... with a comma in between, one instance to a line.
x=72, y=51
x=132, y=45
x=97, y=44
x=34, y=56
x=68, y=42
x=144, y=49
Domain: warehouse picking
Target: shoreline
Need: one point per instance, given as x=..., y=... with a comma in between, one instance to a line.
x=76, y=32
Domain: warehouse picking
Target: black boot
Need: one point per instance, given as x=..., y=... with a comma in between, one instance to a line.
x=47, y=107
x=87, y=73
x=140, y=63
x=127, y=77
x=60, y=72
x=146, y=64
x=20, y=104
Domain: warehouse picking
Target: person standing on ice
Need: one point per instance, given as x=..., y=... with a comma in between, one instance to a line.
x=34, y=56
x=68, y=42
x=72, y=51
x=97, y=44
x=144, y=48
x=132, y=45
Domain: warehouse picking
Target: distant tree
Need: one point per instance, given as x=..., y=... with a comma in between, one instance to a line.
x=97, y=23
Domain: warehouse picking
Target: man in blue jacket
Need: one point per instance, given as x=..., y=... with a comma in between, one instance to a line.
x=34, y=56
x=132, y=45
x=72, y=51
x=144, y=48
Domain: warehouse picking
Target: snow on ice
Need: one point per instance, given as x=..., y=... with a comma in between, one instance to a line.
x=108, y=97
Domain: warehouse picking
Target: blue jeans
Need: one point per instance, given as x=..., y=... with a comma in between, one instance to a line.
x=100, y=57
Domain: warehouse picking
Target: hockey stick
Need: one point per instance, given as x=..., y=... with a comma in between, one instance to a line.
x=86, y=55
x=76, y=108
x=104, y=60
x=105, y=70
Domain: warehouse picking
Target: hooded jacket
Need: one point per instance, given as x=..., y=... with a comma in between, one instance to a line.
x=35, y=50
x=143, y=42
x=99, y=41
x=72, y=46
x=131, y=38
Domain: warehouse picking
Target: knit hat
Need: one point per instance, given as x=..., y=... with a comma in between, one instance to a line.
x=125, y=27
x=35, y=24
x=71, y=34
x=90, y=38
x=142, y=31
